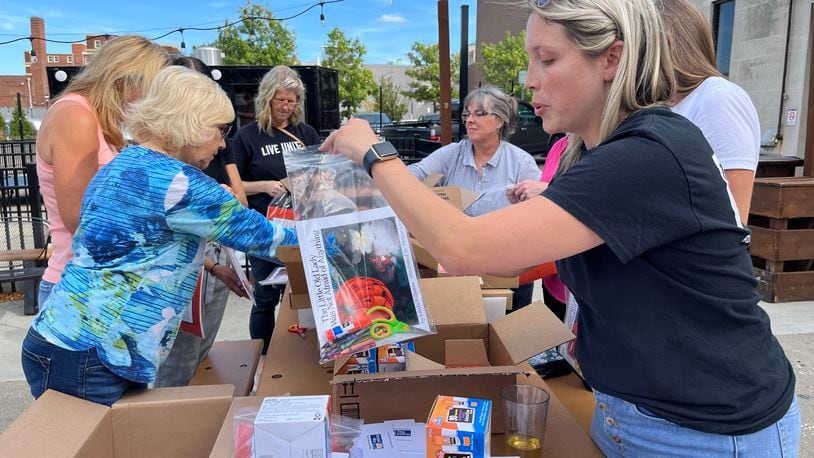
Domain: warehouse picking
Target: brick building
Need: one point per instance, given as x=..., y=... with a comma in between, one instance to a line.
x=33, y=86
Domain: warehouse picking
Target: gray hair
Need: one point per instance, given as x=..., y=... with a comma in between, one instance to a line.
x=498, y=102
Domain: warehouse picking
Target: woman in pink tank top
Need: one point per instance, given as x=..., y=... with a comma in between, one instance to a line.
x=81, y=132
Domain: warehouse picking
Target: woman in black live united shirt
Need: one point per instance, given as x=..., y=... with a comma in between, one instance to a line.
x=671, y=336
x=258, y=149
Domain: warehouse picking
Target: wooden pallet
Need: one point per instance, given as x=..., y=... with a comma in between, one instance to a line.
x=781, y=218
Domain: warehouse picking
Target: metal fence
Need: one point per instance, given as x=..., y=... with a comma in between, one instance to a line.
x=21, y=210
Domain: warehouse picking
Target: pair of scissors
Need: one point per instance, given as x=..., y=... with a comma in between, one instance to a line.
x=383, y=327
x=297, y=329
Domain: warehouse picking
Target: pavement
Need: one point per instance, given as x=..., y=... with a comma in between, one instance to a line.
x=792, y=323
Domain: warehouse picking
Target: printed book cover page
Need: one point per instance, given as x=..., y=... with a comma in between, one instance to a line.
x=362, y=280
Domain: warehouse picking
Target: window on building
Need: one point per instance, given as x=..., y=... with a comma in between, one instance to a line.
x=723, y=21
x=97, y=44
x=69, y=59
x=56, y=59
x=50, y=59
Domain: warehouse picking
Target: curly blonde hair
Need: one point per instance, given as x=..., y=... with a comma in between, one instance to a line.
x=181, y=109
x=279, y=77
x=122, y=66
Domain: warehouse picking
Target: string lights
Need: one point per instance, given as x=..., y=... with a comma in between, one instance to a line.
x=181, y=30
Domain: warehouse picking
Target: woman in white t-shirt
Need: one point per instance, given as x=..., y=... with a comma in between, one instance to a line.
x=720, y=108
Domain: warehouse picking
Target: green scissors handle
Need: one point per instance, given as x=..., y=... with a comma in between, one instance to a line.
x=384, y=327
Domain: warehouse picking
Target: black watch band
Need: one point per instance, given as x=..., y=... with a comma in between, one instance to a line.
x=378, y=152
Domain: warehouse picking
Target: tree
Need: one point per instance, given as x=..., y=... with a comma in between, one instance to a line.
x=388, y=100
x=502, y=62
x=425, y=85
x=2, y=126
x=256, y=41
x=14, y=125
x=355, y=81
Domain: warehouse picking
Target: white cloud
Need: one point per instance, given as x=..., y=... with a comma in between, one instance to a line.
x=11, y=23
x=392, y=19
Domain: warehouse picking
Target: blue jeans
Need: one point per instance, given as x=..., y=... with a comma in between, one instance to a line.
x=621, y=428
x=78, y=373
x=44, y=292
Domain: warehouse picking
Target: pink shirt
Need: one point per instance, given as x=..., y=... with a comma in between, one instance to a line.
x=60, y=236
x=552, y=162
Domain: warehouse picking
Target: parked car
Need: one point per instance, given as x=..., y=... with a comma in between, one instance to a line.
x=376, y=120
x=528, y=135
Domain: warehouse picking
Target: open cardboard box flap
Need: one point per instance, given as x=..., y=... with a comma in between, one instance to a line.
x=509, y=337
x=178, y=422
x=459, y=197
x=59, y=425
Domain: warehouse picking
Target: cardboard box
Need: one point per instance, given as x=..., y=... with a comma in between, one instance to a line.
x=162, y=422
x=291, y=369
x=292, y=426
x=455, y=305
x=459, y=197
x=425, y=259
x=230, y=363
x=364, y=362
x=461, y=426
x=564, y=436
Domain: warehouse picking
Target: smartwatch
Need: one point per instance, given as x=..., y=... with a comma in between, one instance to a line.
x=378, y=152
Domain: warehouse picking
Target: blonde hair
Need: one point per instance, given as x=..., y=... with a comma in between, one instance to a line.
x=279, y=77
x=181, y=109
x=644, y=77
x=122, y=65
x=691, y=44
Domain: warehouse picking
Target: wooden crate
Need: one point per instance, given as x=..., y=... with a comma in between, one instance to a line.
x=783, y=197
x=782, y=223
x=785, y=286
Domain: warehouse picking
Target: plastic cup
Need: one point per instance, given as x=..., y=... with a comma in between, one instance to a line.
x=526, y=410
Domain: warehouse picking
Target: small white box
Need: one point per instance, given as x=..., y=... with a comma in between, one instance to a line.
x=292, y=426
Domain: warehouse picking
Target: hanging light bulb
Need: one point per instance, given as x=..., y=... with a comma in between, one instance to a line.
x=33, y=53
x=321, y=14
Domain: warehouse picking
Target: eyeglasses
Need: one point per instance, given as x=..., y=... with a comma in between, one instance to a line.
x=290, y=103
x=542, y=3
x=224, y=130
x=477, y=114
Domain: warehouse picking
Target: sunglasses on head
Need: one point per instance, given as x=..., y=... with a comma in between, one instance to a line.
x=542, y=3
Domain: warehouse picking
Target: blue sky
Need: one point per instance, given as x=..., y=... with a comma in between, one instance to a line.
x=388, y=28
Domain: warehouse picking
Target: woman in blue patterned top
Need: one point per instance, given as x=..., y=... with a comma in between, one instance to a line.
x=139, y=246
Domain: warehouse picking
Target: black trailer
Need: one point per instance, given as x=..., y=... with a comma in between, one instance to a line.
x=240, y=83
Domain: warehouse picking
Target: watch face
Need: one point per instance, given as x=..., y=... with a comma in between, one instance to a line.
x=385, y=150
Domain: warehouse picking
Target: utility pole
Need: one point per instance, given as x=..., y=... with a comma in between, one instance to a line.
x=443, y=61
x=463, y=88
x=20, y=118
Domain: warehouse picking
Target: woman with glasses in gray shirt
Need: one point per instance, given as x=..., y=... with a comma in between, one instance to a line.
x=485, y=162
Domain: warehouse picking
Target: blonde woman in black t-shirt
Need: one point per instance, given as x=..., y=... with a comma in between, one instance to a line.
x=258, y=148
x=672, y=339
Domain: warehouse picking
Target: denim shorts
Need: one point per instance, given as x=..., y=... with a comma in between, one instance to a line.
x=621, y=428
x=78, y=373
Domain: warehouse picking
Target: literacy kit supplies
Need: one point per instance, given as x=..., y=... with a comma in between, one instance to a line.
x=361, y=275
x=393, y=358
x=192, y=316
x=292, y=426
x=409, y=436
x=459, y=427
x=236, y=267
x=376, y=440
